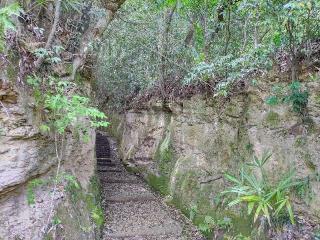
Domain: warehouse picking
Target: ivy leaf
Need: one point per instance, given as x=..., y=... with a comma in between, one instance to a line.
x=277, y=39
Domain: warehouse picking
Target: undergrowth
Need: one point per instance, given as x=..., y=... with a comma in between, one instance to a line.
x=267, y=200
x=293, y=94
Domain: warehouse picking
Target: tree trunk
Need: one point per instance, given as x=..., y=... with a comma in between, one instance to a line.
x=163, y=48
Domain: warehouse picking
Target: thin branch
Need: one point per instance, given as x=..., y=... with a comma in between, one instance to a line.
x=57, y=174
x=56, y=20
x=211, y=180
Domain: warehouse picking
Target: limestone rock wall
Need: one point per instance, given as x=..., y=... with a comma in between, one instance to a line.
x=25, y=155
x=183, y=148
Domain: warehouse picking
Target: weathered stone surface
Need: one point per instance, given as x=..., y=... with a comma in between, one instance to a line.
x=26, y=154
x=206, y=139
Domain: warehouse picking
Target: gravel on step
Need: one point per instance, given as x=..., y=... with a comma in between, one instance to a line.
x=125, y=176
x=126, y=189
x=132, y=210
x=139, y=218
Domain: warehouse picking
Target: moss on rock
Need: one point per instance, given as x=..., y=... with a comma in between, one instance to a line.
x=159, y=184
x=272, y=119
x=80, y=216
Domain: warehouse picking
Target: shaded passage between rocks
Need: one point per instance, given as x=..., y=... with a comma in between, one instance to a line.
x=132, y=210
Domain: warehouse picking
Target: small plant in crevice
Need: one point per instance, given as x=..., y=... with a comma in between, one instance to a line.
x=207, y=225
x=159, y=184
x=31, y=199
x=69, y=181
x=193, y=212
x=56, y=221
x=211, y=224
x=93, y=201
x=303, y=190
x=266, y=200
x=293, y=94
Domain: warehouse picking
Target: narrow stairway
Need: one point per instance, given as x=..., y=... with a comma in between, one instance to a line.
x=132, y=210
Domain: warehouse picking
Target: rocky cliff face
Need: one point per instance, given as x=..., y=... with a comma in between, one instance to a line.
x=26, y=155
x=183, y=148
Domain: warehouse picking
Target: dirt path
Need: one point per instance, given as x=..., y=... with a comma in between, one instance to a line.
x=132, y=210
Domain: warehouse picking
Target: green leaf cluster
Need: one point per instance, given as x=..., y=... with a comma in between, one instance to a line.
x=65, y=110
x=32, y=185
x=214, y=44
x=6, y=22
x=293, y=94
x=263, y=197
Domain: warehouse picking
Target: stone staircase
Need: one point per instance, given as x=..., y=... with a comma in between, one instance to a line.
x=132, y=210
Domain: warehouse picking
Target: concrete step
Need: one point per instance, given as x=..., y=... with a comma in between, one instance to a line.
x=126, y=190
x=124, y=199
x=151, y=237
x=121, y=176
x=104, y=159
x=102, y=155
x=134, y=219
x=157, y=237
x=121, y=181
x=116, y=166
x=106, y=164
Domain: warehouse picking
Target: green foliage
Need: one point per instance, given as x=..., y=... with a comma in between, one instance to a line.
x=164, y=156
x=93, y=201
x=51, y=56
x=297, y=98
x=292, y=94
x=263, y=197
x=6, y=22
x=67, y=5
x=56, y=221
x=32, y=185
x=97, y=215
x=159, y=183
x=237, y=237
x=70, y=182
x=66, y=111
x=215, y=44
x=207, y=225
x=193, y=212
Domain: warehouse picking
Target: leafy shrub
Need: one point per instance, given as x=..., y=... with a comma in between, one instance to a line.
x=193, y=212
x=292, y=94
x=263, y=198
x=298, y=98
x=65, y=110
x=5, y=21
